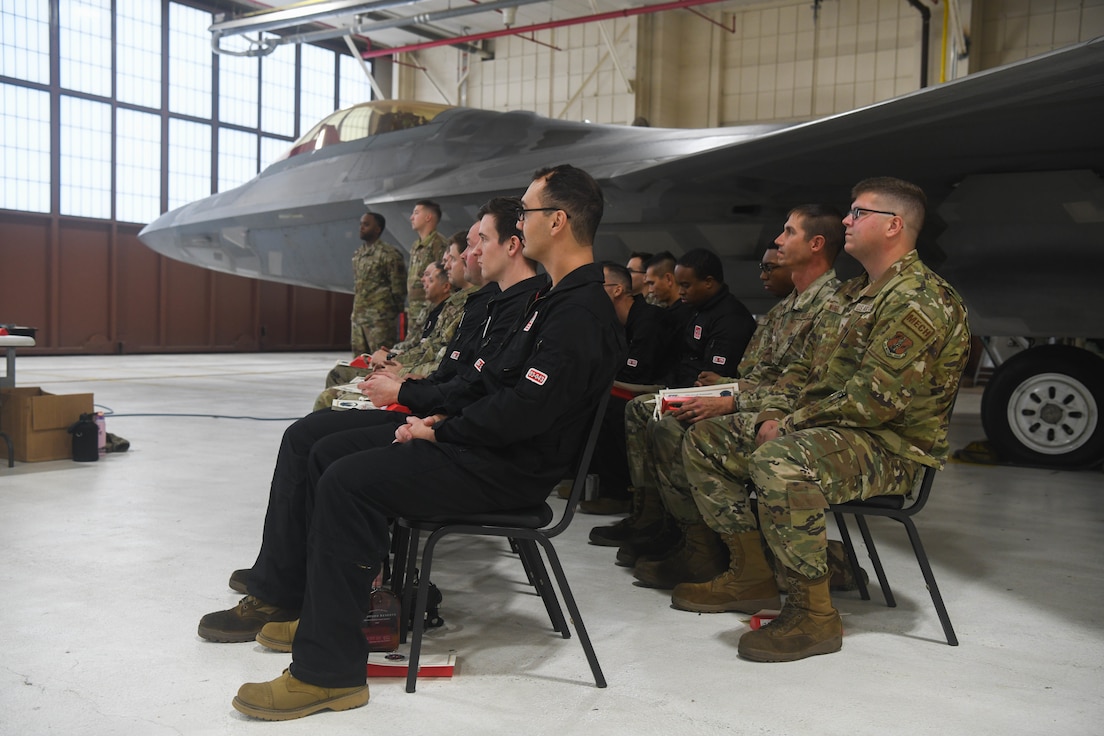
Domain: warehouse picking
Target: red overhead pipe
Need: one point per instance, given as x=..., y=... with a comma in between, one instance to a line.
x=645, y=10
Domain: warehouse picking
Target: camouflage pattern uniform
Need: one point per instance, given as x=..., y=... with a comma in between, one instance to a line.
x=379, y=288
x=422, y=253
x=872, y=406
x=422, y=359
x=781, y=339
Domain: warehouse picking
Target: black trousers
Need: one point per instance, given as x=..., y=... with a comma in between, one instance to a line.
x=610, y=461
x=336, y=484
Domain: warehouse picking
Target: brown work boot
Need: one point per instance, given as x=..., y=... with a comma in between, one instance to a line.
x=287, y=697
x=746, y=586
x=840, y=570
x=278, y=635
x=239, y=580
x=807, y=625
x=667, y=538
x=643, y=521
x=244, y=621
x=699, y=558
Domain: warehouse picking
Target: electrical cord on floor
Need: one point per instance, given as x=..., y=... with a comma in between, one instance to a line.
x=109, y=412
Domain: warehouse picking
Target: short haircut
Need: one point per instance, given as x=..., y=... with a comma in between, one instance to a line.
x=575, y=192
x=429, y=204
x=908, y=200
x=440, y=273
x=460, y=240
x=504, y=211
x=380, y=220
x=705, y=264
x=642, y=256
x=826, y=221
x=618, y=274
x=663, y=263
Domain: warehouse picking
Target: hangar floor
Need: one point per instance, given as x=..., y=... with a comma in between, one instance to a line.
x=109, y=565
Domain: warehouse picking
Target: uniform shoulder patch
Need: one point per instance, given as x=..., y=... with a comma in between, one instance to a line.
x=898, y=345
x=919, y=324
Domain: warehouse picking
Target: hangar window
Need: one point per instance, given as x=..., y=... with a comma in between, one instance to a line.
x=138, y=52
x=316, y=81
x=25, y=149
x=354, y=87
x=25, y=28
x=189, y=61
x=189, y=162
x=85, y=157
x=137, y=166
x=277, y=81
x=85, y=27
x=237, y=158
x=238, y=90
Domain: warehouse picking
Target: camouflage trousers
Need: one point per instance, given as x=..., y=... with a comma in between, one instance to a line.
x=656, y=456
x=638, y=415
x=370, y=331
x=795, y=477
x=338, y=375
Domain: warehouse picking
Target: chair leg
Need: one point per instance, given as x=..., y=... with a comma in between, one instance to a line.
x=876, y=561
x=400, y=541
x=929, y=578
x=852, y=559
x=538, y=578
x=573, y=609
x=414, y=536
x=419, y=607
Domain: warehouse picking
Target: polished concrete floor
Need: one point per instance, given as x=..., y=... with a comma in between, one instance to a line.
x=108, y=566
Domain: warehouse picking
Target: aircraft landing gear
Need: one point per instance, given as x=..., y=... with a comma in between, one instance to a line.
x=1042, y=407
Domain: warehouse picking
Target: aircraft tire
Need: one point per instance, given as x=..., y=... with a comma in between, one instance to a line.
x=1043, y=407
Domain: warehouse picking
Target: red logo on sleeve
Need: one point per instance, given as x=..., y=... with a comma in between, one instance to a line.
x=631, y=362
x=697, y=332
x=530, y=322
x=455, y=355
x=479, y=365
x=536, y=376
x=719, y=359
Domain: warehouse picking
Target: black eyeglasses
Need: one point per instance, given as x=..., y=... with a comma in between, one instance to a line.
x=768, y=268
x=857, y=212
x=522, y=210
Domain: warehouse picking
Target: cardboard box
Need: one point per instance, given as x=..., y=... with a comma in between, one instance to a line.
x=38, y=422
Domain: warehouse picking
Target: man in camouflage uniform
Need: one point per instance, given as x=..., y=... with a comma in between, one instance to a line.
x=379, y=288
x=799, y=268
x=429, y=247
x=859, y=417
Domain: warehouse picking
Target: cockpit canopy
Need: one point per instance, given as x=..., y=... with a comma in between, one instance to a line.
x=363, y=120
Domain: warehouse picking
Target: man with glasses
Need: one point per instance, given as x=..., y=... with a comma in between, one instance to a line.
x=802, y=260
x=504, y=451
x=635, y=267
x=858, y=416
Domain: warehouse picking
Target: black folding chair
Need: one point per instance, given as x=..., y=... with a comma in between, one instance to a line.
x=893, y=507
x=529, y=531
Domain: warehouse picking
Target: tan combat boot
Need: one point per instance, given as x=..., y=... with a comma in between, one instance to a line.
x=701, y=557
x=807, y=625
x=746, y=586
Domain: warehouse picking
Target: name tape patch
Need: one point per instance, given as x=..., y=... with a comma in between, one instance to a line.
x=536, y=376
x=919, y=324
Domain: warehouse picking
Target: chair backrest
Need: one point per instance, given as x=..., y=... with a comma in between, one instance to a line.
x=578, y=483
